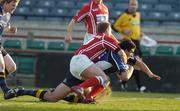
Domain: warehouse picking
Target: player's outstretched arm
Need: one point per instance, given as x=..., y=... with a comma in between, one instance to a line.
x=68, y=37
x=126, y=75
x=122, y=55
x=146, y=69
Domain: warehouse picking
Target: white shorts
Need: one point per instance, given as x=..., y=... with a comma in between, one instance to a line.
x=78, y=64
x=103, y=65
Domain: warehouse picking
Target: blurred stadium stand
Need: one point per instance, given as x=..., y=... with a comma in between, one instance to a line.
x=157, y=10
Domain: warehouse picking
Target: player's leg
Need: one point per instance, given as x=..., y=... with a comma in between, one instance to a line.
x=54, y=95
x=136, y=73
x=8, y=93
x=87, y=71
x=93, y=76
x=10, y=65
x=3, y=83
x=59, y=93
x=90, y=97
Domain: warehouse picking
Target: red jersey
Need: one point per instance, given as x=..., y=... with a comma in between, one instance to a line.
x=92, y=14
x=98, y=45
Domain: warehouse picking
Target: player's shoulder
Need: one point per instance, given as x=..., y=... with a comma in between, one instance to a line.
x=107, y=37
x=122, y=14
x=86, y=6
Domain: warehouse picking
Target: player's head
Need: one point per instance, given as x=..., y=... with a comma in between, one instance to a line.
x=104, y=27
x=9, y=5
x=128, y=46
x=133, y=6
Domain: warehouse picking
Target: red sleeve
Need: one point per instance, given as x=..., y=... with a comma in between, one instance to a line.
x=82, y=13
x=109, y=43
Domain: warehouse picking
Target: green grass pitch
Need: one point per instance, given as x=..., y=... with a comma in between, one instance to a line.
x=119, y=101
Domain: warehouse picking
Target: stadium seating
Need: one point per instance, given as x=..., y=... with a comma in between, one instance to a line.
x=156, y=15
x=145, y=7
x=40, y=12
x=59, y=12
x=164, y=50
x=25, y=65
x=28, y=3
x=178, y=51
x=171, y=23
x=121, y=6
x=173, y=16
x=168, y=1
x=65, y=4
x=73, y=46
x=163, y=7
x=38, y=45
x=12, y=44
x=146, y=51
x=109, y=5
x=46, y=3
x=150, y=1
x=155, y=10
x=56, y=46
x=23, y=11
x=150, y=23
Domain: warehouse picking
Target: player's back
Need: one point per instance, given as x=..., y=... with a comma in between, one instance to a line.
x=97, y=45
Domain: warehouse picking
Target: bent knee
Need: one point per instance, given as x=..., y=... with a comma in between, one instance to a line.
x=52, y=98
x=11, y=68
x=2, y=68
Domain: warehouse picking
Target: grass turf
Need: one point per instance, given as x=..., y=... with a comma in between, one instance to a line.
x=119, y=101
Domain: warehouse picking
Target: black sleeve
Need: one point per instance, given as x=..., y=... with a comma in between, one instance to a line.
x=131, y=61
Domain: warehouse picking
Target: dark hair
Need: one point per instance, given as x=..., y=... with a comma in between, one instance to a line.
x=127, y=45
x=8, y=1
x=102, y=27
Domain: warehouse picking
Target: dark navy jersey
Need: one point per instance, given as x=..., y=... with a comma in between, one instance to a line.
x=116, y=63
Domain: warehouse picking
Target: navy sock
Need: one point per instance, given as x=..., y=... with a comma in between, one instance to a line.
x=27, y=92
x=3, y=84
x=71, y=98
x=35, y=93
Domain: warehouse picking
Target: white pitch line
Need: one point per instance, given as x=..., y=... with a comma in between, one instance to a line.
x=134, y=99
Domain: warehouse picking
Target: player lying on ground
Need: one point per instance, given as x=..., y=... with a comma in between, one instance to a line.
x=110, y=62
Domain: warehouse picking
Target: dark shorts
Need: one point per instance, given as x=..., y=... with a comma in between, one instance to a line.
x=138, y=48
x=70, y=80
